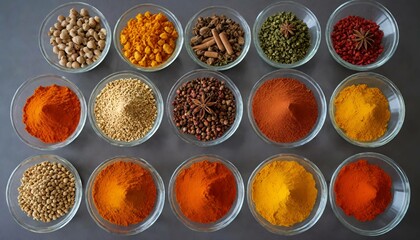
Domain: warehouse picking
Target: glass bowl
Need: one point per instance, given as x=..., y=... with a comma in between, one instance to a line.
x=302, y=13
x=397, y=208
x=371, y=10
x=234, y=210
x=208, y=12
x=117, y=76
x=25, y=91
x=199, y=74
x=320, y=202
x=134, y=228
x=142, y=8
x=391, y=92
x=310, y=84
x=51, y=18
x=12, y=194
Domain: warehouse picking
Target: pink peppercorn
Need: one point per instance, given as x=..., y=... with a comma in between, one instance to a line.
x=357, y=40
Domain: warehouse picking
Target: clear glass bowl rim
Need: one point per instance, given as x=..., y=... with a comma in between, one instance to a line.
x=62, y=220
x=247, y=36
x=232, y=87
x=376, y=64
x=160, y=198
x=322, y=195
x=256, y=41
x=83, y=111
x=105, y=51
x=381, y=141
x=322, y=110
x=171, y=17
x=225, y=220
x=400, y=172
x=137, y=76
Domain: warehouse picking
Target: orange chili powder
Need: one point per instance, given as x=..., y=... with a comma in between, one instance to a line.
x=205, y=191
x=284, y=109
x=124, y=193
x=363, y=190
x=52, y=113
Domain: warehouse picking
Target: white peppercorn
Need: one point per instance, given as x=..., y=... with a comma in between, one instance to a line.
x=74, y=56
x=64, y=23
x=55, y=49
x=63, y=62
x=85, y=27
x=78, y=40
x=92, y=22
x=84, y=12
x=68, y=50
x=57, y=25
x=80, y=59
x=101, y=44
x=75, y=65
x=61, y=46
x=61, y=54
x=91, y=44
x=35, y=196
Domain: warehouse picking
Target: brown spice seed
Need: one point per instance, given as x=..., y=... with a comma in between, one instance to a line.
x=206, y=122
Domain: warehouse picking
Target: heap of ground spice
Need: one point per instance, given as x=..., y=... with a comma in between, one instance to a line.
x=125, y=109
x=124, y=193
x=149, y=39
x=363, y=190
x=357, y=40
x=284, y=109
x=205, y=191
x=362, y=112
x=52, y=113
x=284, y=193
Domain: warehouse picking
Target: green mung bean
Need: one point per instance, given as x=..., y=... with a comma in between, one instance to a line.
x=284, y=38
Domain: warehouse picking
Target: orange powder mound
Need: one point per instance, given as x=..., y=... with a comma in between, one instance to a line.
x=284, y=109
x=363, y=190
x=124, y=193
x=52, y=113
x=205, y=191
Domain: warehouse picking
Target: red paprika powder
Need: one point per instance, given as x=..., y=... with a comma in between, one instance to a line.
x=363, y=190
x=284, y=109
x=357, y=40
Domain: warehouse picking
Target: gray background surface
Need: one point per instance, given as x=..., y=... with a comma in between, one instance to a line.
x=20, y=59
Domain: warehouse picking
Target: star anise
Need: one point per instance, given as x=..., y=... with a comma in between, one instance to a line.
x=202, y=105
x=287, y=29
x=363, y=38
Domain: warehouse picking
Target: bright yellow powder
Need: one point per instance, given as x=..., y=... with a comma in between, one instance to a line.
x=284, y=193
x=362, y=112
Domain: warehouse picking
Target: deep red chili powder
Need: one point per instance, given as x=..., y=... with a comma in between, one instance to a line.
x=357, y=40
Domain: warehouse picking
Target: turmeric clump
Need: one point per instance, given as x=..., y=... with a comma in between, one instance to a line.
x=362, y=112
x=149, y=39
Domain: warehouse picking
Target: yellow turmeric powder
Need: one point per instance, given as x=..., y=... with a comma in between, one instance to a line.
x=284, y=193
x=149, y=39
x=362, y=112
